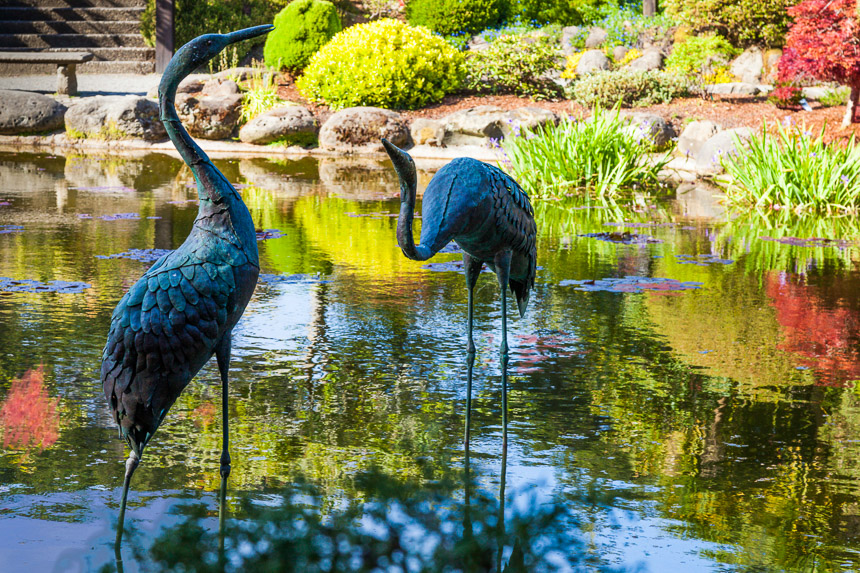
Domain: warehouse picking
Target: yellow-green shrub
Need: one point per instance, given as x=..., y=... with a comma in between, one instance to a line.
x=385, y=63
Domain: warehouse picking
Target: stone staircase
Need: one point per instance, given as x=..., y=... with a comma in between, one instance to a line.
x=110, y=29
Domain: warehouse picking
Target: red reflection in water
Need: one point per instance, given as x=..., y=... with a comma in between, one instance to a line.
x=821, y=335
x=29, y=416
x=530, y=352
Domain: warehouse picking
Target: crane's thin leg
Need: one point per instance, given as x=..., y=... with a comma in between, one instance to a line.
x=473, y=271
x=501, y=519
x=503, y=272
x=222, y=353
x=130, y=465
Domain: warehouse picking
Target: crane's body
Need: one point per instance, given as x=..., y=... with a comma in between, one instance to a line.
x=487, y=213
x=184, y=308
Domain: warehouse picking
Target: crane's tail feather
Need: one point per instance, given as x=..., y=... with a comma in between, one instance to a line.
x=521, y=292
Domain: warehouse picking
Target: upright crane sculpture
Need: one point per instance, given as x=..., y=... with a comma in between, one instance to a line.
x=184, y=308
x=488, y=214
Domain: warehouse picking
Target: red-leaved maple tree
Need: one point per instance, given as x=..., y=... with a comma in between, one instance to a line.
x=823, y=43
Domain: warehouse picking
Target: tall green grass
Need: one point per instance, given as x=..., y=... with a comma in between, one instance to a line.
x=260, y=95
x=794, y=171
x=601, y=155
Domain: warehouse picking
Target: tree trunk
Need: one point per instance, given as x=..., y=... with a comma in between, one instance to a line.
x=851, y=106
x=649, y=7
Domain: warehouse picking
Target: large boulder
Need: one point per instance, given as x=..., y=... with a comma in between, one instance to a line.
x=618, y=52
x=723, y=143
x=748, y=66
x=114, y=117
x=427, y=131
x=526, y=117
x=771, y=65
x=478, y=125
x=695, y=135
x=357, y=129
x=214, y=112
x=289, y=125
x=596, y=36
x=651, y=59
x=567, y=35
x=26, y=112
x=732, y=88
x=651, y=126
x=592, y=61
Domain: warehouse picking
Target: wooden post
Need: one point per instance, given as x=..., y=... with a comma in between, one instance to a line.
x=163, y=33
x=649, y=7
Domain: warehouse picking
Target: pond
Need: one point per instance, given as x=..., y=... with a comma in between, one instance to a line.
x=717, y=412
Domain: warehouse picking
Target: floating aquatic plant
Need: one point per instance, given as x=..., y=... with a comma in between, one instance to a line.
x=142, y=255
x=291, y=279
x=29, y=285
x=5, y=229
x=624, y=237
x=810, y=242
x=702, y=260
x=265, y=234
x=632, y=284
x=107, y=188
x=120, y=217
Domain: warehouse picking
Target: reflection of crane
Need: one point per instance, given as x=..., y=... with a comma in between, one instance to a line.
x=488, y=214
x=183, y=309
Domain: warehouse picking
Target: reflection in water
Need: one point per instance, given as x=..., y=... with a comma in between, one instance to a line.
x=28, y=415
x=678, y=430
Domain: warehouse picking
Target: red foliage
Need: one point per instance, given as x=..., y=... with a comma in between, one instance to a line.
x=823, y=43
x=823, y=337
x=786, y=96
x=28, y=415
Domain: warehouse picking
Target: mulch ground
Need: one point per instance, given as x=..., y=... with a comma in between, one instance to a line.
x=726, y=111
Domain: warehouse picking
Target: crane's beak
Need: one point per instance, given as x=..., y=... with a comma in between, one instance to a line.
x=398, y=157
x=248, y=33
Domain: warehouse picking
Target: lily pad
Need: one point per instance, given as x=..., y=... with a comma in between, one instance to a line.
x=142, y=255
x=11, y=229
x=266, y=234
x=291, y=279
x=632, y=284
x=810, y=242
x=637, y=225
x=121, y=217
x=624, y=237
x=5, y=203
x=107, y=188
x=702, y=260
x=84, y=216
x=29, y=285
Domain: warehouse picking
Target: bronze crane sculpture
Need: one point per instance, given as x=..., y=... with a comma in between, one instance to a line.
x=487, y=213
x=184, y=308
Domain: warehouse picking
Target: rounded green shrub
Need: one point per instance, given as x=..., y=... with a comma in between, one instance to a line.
x=450, y=17
x=699, y=56
x=302, y=28
x=742, y=22
x=385, y=63
x=564, y=12
x=628, y=88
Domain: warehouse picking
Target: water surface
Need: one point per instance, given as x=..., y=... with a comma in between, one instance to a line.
x=721, y=422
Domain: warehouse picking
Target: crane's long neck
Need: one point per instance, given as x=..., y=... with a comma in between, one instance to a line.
x=221, y=210
x=408, y=191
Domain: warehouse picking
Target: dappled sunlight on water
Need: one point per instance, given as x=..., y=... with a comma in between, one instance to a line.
x=688, y=392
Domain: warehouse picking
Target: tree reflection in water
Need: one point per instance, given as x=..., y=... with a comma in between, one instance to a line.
x=29, y=415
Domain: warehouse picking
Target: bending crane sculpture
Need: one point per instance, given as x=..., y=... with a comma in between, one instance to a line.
x=489, y=216
x=184, y=308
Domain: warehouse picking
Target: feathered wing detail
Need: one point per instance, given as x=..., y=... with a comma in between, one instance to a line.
x=162, y=332
x=515, y=221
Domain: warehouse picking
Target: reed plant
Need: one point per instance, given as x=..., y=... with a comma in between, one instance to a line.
x=794, y=171
x=601, y=155
x=260, y=95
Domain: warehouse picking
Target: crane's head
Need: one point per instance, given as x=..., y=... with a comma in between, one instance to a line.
x=203, y=48
x=404, y=166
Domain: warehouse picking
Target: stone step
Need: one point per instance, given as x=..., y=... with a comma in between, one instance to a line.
x=72, y=3
x=18, y=13
x=74, y=27
x=91, y=67
x=86, y=41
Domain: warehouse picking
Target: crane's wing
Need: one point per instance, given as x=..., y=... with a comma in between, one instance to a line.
x=516, y=223
x=162, y=332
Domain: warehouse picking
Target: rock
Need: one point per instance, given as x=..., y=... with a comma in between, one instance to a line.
x=473, y=126
x=26, y=112
x=651, y=59
x=695, y=135
x=360, y=129
x=114, y=117
x=650, y=125
x=214, y=112
x=748, y=66
x=592, y=61
x=596, y=36
x=242, y=74
x=567, y=35
x=733, y=88
x=771, y=62
x=289, y=125
x=427, y=131
x=619, y=52
x=708, y=157
x=361, y=178
x=526, y=118
x=477, y=43
x=818, y=92
x=192, y=83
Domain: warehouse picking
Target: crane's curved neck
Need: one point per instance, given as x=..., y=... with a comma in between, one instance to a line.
x=408, y=191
